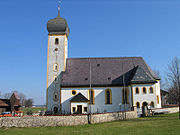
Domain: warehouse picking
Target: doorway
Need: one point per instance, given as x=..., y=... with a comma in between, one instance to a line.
x=79, y=109
x=144, y=109
x=55, y=110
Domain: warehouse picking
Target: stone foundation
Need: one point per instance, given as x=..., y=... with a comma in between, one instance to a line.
x=43, y=121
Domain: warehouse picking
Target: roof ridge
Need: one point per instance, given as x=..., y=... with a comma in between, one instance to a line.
x=105, y=57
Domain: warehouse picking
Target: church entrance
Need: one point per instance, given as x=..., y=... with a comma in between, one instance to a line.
x=79, y=109
x=144, y=109
x=55, y=110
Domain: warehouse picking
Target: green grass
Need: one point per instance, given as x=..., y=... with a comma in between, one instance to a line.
x=34, y=109
x=159, y=125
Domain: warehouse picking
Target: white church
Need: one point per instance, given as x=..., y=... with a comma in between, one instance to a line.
x=95, y=85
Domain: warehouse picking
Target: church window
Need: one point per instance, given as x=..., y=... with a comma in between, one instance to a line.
x=152, y=104
x=137, y=90
x=157, y=99
x=56, y=49
x=151, y=90
x=144, y=90
x=91, y=96
x=108, y=96
x=56, y=41
x=73, y=92
x=55, y=79
x=125, y=96
x=56, y=68
x=138, y=105
x=85, y=109
x=55, y=97
x=73, y=109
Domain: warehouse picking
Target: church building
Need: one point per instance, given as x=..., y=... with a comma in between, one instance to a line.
x=95, y=85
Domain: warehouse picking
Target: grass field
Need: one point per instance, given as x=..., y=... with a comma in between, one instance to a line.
x=33, y=109
x=168, y=124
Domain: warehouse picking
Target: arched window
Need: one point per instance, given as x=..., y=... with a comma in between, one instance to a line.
x=137, y=90
x=157, y=99
x=55, y=79
x=55, y=68
x=152, y=104
x=138, y=105
x=108, y=96
x=56, y=41
x=55, y=97
x=151, y=90
x=144, y=90
x=91, y=96
x=125, y=96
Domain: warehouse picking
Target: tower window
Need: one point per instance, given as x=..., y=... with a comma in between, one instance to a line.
x=55, y=67
x=55, y=79
x=55, y=97
x=56, y=41
x=56, y=49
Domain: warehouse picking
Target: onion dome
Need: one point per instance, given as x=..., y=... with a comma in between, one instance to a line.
x=58, y=25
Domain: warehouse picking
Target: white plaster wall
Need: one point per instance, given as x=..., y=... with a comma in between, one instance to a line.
x=148, y=97
x=99, y=105
x=76, y=104
x=58, y=57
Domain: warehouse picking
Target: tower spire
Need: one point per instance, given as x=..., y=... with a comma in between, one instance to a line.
x=59, y=7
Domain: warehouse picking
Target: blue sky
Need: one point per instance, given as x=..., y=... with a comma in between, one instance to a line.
x=98, y=28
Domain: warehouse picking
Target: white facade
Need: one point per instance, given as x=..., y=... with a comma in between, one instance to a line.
x=99, y=99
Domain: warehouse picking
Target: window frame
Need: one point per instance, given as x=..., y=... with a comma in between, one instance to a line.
x=93, y=98
x=56, y=42
x=110, y=96
x=136, y=90
x=73, y=91
x=150, y=90
x=143, y=90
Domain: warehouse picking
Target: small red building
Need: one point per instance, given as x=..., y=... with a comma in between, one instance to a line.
x=9, y=105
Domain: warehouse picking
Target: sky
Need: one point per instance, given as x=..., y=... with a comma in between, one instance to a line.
x=98, y=28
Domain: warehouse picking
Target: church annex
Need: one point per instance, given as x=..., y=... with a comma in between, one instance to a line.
x=96, y=85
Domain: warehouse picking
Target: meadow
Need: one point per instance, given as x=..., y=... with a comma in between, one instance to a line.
x=167, y=124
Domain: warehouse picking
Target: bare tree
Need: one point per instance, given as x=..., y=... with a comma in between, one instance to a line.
x=173, y=76
x=162, y=82
x=29, y=102
x=7, y=95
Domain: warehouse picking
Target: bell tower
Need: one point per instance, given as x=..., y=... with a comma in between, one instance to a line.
x=58, y=33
